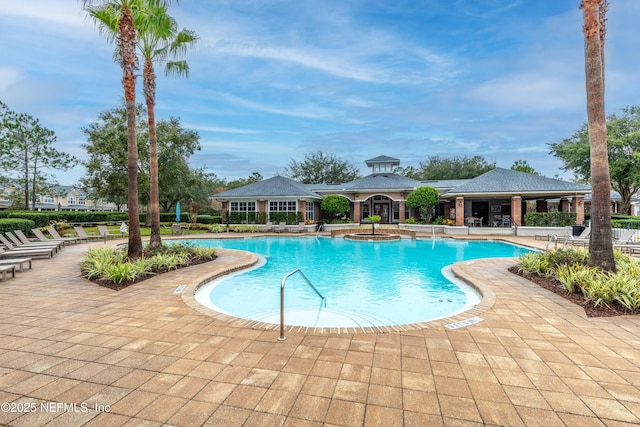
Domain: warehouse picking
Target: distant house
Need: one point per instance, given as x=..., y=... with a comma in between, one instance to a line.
x=494, y=196
x=59, y=197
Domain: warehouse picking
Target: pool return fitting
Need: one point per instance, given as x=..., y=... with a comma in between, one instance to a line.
x=284, y=279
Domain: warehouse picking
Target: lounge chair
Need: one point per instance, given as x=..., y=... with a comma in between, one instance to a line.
x=56, y=236
x=626, y=237
x=582, y=239
x=44, y=252
x=176, y=229
x=281, y=228
x=18, y=262
x=19, y=242
x=4, y=269
x=266, y=227
x=626, y=242
x=41, y=237
x=83, y=234
x=105, y=233
x=11, y=247
x=299, y=229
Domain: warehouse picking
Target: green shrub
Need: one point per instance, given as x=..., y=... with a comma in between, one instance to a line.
x=111, y=264
x=290, y=218
x=218, y=228
x=570, y=267
x=10, y=224
x=244, y=228
x=335, y=204
x=209, y=219
x=549, y=219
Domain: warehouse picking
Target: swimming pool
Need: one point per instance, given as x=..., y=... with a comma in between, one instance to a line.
x=364, y=283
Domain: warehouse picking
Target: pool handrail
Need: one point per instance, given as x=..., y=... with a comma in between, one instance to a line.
x=284, y=279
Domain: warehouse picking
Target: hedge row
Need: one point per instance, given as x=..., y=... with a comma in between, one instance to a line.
x=549, y=219
x=10, y=224
x=44, y=219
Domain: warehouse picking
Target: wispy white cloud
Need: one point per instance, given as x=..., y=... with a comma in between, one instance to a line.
x=222, y=129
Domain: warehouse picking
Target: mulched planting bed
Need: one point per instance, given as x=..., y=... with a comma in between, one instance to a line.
x=556, y=287
x=118, y=286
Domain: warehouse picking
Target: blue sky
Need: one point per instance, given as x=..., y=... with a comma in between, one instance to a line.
x=273, y=80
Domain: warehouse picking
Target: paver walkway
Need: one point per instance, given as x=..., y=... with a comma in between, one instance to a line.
x=72, y=353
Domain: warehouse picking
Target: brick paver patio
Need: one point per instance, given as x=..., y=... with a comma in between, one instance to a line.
x=73, y=353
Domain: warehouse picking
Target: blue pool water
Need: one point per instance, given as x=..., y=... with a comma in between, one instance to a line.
x=364, y=283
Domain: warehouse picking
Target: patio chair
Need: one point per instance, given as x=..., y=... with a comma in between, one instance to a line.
x=18, y=262
x=105, y=233
x=83, y=234
x=266, y=227
x=281, y=228
x=43, y=252
x=17, y=244
x=56, y=236
x=478, y=222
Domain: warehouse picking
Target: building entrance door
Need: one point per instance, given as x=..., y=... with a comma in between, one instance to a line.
x=382, y=209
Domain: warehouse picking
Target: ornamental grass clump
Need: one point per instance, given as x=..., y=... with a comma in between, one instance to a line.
x=618, y=291
x=110, y=266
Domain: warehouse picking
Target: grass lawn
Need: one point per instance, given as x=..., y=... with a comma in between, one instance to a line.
x=144, y=231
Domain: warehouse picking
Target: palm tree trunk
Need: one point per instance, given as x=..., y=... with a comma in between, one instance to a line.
x=154, y=193
x=601, y=244
x=127, y=45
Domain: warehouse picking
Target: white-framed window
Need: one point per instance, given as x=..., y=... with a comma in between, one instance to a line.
x=82, y=201
x=242, y=206
x=310, y=210
x=47, y=199
x=283, y=206
x=71, y=200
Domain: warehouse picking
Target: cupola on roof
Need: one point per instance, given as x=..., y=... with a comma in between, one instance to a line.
x=382, y=164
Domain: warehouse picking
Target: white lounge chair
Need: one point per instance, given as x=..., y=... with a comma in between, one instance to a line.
x=281, y=228
x=4, y=269
x=83, y=234
x=11, y=247
x=41, y=237
x=29, y=252
x=105, y=233
x=266, y=227
x=18, y=262
x=56, y=236
x=299, y=228
x=20, y=243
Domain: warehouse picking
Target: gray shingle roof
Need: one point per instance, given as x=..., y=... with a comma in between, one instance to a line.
x=501, y=180
x=276, y=186
x=382, y=181
x=382, y=159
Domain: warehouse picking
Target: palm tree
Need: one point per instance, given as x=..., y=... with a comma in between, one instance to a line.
x=119, y=14
x=601, y=244
x=159, y=41
x=115, y=19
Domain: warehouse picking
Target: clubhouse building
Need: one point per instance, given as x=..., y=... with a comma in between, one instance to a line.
x=500, y=197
